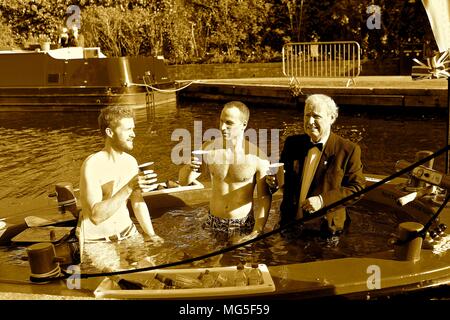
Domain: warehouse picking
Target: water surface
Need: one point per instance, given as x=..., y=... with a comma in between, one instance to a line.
x=38, y=150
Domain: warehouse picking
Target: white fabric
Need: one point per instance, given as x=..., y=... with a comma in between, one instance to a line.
x=438, y=12
x=309, y=170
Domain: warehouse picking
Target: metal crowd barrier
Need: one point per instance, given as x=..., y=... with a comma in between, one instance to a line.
x=338, y=59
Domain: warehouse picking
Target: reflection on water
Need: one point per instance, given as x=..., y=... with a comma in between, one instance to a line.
x=38, y=150
x=186, y=238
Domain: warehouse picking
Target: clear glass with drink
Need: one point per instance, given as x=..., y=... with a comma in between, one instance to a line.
x=199, y=154
x=146, y=174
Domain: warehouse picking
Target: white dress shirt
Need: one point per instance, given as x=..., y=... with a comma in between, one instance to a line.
x=309, y=169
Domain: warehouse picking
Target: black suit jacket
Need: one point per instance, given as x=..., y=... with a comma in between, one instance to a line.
x=338, y=174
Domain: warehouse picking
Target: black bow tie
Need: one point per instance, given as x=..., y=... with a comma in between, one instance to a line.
x=318, y=145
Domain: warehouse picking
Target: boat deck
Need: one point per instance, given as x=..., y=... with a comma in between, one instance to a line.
x=303, y=280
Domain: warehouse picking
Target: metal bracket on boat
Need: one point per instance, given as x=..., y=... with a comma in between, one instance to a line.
x=414, y=183
x=424, y=180
x=66, y=198
x=426, y=174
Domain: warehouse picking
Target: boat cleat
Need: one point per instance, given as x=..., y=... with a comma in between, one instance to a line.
x=409, y=243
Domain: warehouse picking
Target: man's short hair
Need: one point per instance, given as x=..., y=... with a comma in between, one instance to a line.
x=245, y=112
x=321, y=99
x=110, y=116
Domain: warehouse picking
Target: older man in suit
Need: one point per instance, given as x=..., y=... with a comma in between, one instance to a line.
x=320, y=167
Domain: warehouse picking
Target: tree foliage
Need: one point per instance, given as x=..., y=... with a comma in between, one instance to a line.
x=187, y=31
x=6, y=35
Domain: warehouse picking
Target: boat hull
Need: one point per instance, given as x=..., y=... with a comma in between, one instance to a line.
x=69, y=79
x=77, y=99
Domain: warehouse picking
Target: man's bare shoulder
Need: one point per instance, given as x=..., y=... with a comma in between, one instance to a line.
x=101, y=158
x=94, y=159
x=129, y=158
x=89, y=169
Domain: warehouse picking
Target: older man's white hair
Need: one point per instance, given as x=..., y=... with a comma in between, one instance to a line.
x=321, y=99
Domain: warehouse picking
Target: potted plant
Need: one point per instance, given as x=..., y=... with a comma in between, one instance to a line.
x=44, y=41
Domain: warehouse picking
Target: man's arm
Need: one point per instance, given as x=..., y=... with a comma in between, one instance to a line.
x=353, y=180
x=272, y=181
x=192, y=170
x=92, y=194
x=264, y=197
x=142, y=214
x=187, y=175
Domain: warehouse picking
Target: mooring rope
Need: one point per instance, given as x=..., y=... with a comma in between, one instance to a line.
x=164, y=90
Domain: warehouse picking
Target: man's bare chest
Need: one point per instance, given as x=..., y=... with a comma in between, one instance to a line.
x=234, y=173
